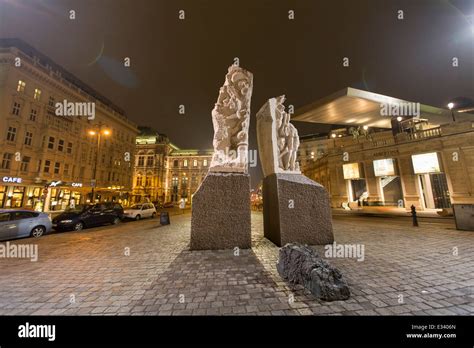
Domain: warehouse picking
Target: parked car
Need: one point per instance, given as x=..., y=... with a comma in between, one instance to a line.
x=82, y=216
x=168, y=205
x=140, y=211
x=23, y=223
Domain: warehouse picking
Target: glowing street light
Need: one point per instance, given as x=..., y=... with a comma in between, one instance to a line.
x=450, y=107
x=399, y=118
x=366, y=127
x=100, y=131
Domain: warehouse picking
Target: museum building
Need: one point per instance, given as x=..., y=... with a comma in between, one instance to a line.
x=422, y=157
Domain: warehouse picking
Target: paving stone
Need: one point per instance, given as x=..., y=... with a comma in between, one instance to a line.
x=161, y=267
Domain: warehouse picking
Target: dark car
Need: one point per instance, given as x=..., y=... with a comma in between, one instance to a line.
x=83, y=216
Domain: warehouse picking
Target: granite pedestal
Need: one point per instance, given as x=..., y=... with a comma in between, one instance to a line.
x=221, y=212
x=296, y=209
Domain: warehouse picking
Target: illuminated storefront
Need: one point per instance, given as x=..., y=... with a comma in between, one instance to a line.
x=34, y=198
x=432, y=182
x=356, y=186
x=42, y=196
x=62, y=197
x=390, y=185
x=3, y=195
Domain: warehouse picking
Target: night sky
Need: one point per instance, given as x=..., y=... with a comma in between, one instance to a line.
x=176, y=62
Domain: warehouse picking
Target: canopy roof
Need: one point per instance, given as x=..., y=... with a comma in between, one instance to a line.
x=353, y=107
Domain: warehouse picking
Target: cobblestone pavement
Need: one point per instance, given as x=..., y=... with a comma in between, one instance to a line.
x=89, y=272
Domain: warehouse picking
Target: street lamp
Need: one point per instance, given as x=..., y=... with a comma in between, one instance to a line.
x=450, y=107
x=99, y=131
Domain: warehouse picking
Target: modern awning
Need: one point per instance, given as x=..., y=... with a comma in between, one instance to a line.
x=353, y=107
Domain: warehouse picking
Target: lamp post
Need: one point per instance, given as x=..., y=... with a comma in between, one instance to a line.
x=450, y=107
x=98, y=131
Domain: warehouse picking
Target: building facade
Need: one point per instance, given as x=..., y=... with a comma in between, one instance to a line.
x=186, y=169
x=152, y=150
x=386, y=151
x=46, y=159
x=430, y=168
x=312, y=147
x=164, y=172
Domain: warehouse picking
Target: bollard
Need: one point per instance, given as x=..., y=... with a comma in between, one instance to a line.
x=413, y=215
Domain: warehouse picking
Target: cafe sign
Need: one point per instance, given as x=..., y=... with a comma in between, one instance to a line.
x=76, y=184
x=11, y=179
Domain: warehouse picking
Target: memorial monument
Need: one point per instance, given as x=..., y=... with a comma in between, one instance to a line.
x=296, y=209
x=221, y=205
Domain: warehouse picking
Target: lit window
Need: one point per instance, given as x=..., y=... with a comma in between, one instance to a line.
x=195, y=163
x=185, y=163
x=204, y=163
x=37, y=95
x=21, y=86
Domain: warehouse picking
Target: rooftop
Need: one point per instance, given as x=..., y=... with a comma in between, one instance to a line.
x=45, y=61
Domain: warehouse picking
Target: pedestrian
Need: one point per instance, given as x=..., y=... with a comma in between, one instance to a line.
x=413, y=215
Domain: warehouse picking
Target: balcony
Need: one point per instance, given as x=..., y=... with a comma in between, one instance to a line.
x=386, y=138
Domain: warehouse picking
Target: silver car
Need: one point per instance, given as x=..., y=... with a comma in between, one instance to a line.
x=16, y=223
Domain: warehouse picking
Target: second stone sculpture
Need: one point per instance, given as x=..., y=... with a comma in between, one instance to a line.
x=295, y=208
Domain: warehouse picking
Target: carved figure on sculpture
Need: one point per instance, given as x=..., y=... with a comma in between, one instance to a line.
x=288, y=140
x=277, y=138
x=230, y=117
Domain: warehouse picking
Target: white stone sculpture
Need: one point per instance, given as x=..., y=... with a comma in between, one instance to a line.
x=231, y=118
x=277, y=138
